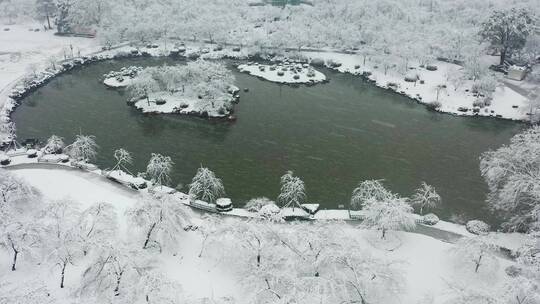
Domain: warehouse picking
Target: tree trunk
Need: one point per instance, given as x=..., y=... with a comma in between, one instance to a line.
x=383, y=236
x=202, y=246
x=478, y=264
x=49, y=21
x=148, y=235
x=117, y=288
x=503, y=56
x=63, y=274
x=15, y=254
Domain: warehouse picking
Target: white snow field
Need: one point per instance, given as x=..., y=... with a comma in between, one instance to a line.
x=199, y=277
x=284, y=73
x=427, y=266
x=181, y=105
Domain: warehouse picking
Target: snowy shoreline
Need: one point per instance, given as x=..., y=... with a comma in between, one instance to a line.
x=506, y=103
x=284, y=72
x=442, y=230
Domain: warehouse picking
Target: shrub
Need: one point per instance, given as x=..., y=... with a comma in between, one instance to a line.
x=434, y=105
x=255, y=204
x=430, y=219
x=479, y=103
x=477, y=227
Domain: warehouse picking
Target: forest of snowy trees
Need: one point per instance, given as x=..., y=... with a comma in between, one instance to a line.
x=400, y=31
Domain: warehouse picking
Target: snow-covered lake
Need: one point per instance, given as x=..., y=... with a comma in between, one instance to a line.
x=333, y=135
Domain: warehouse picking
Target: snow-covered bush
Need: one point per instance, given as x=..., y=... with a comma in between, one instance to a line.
x=434, y=105
x=477, y=227
x=269, y=211
x=55, y=144
x=513, y=271
x=206, y=186
x=255, y=204
x=430, y=219
x=84, y=148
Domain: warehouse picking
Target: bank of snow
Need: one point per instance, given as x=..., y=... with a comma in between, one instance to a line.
x=287, y=73
x=122, y=78
x=164, y=102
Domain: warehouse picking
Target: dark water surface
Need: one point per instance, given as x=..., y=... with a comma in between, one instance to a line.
x=333, y=135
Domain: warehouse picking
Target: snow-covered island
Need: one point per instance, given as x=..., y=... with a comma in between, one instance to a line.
x=284, y=72
x=122, y=78
x=200, y=87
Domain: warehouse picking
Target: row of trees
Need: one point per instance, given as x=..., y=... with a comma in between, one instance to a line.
x=383, y=209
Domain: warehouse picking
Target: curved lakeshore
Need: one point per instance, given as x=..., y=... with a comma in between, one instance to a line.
x=443, y=230
x=269, y=151
x=380, y=135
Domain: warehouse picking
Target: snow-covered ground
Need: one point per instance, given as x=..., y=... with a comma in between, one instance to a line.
x=288, y=73
x=426, y=264
x=506, y=102
x=122, y=78
x=198, y=277
x=179, y=104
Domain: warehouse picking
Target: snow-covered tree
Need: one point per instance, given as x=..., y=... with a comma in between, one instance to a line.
x=15, y=196
x=367, y=190
x=28, y=291
x=383, y=210
x=45, y=10
x=293, y=191
x=113, y=270
x=365, y=278
x=507, y=30
x=143, y=85
x=206, y=186
x=208, y=229
x=62, y=244
x=512, y=173
x=476, y=251
x=162, y=219
x=84, y=148
x=425, y=197
x=123, y=159
x=151, y=286
x=97, y=226
x=55, y=144
x=159, y=169
x=521, y=290
x=20, y=238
